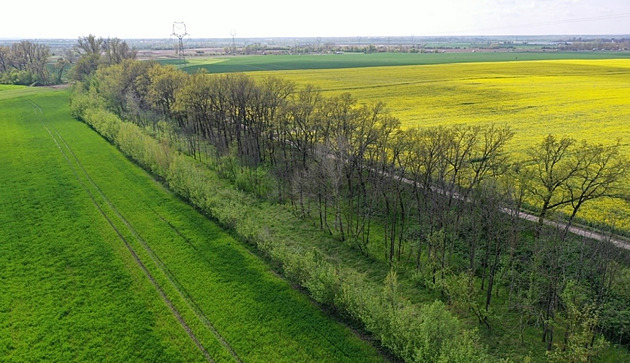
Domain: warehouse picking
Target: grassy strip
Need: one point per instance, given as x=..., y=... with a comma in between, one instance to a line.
x=260, y=316
x=354, y=289
x=68, y=294
x=206, y=341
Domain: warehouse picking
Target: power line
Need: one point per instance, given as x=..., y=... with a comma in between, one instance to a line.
x=179, y=30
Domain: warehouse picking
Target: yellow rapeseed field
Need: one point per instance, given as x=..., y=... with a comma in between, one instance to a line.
x=585, y=99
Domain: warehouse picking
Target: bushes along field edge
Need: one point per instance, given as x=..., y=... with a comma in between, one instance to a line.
x=413, y=333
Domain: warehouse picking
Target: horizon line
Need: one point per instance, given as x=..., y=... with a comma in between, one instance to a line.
x=618, y=35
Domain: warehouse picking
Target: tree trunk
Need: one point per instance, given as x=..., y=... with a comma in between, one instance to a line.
x=541, y=219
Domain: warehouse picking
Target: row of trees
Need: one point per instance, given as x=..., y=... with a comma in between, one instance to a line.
x=598, y=44
x=29, y=63
x=413, y=332
x=25, y=63
x=99, y=51
x=443, y=201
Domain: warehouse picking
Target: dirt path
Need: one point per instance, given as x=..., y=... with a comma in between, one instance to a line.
x=618, y=241
x=578, y=231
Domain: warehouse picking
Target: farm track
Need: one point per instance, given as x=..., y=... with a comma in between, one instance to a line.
x=69, y=155
x=617, y=241
x=578, y=231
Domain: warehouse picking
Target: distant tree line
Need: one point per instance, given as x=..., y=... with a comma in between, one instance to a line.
x=609, y=44
x=24, y=63
x=99, y=51
x=442, y=202
x=28, y=63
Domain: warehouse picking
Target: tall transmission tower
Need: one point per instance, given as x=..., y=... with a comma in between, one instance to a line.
x=179, y=31
x=233, y=34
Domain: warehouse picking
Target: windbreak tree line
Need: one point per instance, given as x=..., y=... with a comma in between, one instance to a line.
x=24, y=63
x=441, y=204
x=28, y=63
x=95, y=51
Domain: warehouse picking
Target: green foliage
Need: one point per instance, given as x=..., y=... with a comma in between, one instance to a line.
x=582, y=342
x=384, y=314
x=615, y=313
x=18, y=77
x=106, y=122
x=24, y=63
x=464, y=348
x=462, y=294
x=344, y=159
x=438, y=327
x=255, y=180
x=83, y=99
x=71, y=289
x=85, y=66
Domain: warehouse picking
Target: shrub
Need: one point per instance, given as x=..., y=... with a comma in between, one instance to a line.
x=412, y=332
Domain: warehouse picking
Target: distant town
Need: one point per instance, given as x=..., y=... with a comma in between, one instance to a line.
x=149, y=48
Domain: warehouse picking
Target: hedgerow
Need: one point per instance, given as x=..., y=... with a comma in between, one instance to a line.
x=408, y=330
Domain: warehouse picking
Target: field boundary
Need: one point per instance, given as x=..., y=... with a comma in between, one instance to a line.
x=287, y=62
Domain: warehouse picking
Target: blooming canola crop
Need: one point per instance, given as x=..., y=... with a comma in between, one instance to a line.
x=584, y=99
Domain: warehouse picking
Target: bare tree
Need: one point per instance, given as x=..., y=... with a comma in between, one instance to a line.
x=116, y=51
x=488, y=157
x=90, y=44
x=60, y=67
x=28, y=59
x=603, y=169
x=566, y=173
x=553, y=166
x=5, y=53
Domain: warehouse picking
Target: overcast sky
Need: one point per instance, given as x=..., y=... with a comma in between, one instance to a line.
x=26, y=19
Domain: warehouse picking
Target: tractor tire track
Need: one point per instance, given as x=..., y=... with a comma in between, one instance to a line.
x=181, y=290
x=200, y=253
x=131, y=250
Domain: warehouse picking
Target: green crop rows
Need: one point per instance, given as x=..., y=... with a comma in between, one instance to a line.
x=358, y=60
x=99, y=262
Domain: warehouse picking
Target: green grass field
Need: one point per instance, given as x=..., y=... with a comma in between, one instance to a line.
x=360, y=60
x=99, y=262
